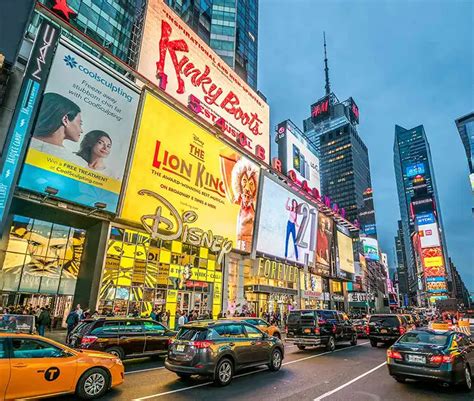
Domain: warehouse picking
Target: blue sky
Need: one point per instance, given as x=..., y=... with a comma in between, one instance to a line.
x=405, y=63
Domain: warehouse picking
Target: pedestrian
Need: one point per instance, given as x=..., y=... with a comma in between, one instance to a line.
x=181, y=320
x=79, y=311
x=71, y=321
x=44, y=321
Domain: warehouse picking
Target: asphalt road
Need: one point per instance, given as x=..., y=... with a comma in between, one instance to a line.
x=350, y=373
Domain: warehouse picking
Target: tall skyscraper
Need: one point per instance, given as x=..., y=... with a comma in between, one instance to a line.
x=419, y=204
x=230, y=27
x=465, y=126
x=114, y=24
x=344, y=158
x=401, y=265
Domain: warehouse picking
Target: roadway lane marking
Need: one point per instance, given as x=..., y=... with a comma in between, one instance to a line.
x=349, y=382
x=324, y=353
x=143, y=370
x=147, y=397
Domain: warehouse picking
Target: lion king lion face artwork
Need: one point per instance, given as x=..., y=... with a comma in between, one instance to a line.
x=38, y=248
x=244, y=186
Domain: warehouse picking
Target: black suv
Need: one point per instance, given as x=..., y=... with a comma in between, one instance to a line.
x=319, y=327
x=386, y=328
x=219, y=348
x=123, y=337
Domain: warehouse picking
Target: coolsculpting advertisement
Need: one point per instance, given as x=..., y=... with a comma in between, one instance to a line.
x=82, y=135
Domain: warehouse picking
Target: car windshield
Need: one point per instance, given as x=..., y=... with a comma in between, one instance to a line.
x=296, y=315
x=384, y=320
x=83, y=327
x=424, y=338
x=192, y=334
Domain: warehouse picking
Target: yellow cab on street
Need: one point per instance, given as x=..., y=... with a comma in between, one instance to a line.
x=32, y=367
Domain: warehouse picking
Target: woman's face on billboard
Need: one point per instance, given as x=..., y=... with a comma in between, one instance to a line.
x=102, y=147
x=73, y=128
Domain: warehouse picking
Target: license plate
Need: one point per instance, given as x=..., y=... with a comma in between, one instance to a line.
x=416, y=359
x=383, y=331
x=307, y=331
x=180, y=348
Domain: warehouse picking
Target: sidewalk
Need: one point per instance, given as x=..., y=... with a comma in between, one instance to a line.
x=58, y=335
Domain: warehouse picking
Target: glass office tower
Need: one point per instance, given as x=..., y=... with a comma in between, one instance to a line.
x=230, y=27
x=465, y=126
x=412, y=158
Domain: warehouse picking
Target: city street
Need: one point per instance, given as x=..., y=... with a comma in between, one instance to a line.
x=350, y=373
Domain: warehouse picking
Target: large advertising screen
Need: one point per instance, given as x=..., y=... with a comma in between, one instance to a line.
x=287, y=224
x=415, y=169
x=174, y=57
x=345, y=252
x=429, y=235
x=432, y=257
x=82, y=134
x=371, y=248
x=295, y=155
x=184, y=180
x=324, y=241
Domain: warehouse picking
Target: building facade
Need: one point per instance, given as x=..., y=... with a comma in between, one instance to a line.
x=344, y=158
x=465, y=126
x=229, y=27
x=402, y=274
x=412, y=162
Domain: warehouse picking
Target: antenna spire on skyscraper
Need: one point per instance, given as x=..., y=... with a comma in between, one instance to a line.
x=326, y=68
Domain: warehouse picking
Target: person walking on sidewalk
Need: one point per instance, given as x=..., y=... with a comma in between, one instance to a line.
x=44, y=320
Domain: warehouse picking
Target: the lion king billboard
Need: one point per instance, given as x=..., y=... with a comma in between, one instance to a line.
x=185, y=184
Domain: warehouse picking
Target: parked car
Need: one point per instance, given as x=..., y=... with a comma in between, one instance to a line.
x=319, y=327
x=35, y=367
x=424, y=354
x=360, y=327
x=263, y=325
x=220, y=348
x=386, y=328
x=123, y=337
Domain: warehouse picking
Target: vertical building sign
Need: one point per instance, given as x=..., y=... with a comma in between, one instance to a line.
x=26, y=107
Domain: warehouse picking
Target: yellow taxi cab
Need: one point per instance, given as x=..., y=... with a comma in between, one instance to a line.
x=34, y=366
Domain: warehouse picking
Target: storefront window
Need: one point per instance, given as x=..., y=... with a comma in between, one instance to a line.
x=141, y=274
x=41, y=257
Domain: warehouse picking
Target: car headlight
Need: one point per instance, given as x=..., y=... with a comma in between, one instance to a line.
x=118, y=361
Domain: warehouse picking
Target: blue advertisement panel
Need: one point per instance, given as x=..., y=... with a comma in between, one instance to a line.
x=82, y=134
x=26, y=107
x=415, y=169
x=424, y=219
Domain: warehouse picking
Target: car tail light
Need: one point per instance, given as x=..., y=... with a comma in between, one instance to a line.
x=394, y=354
x=321, y=321
x=334, y=328
x=367, y=329
x=170, y=341
x=286, y=329
x=439, y=359
x=317, y=330
x=201, y=344
x=86, y=341
x=402, y=330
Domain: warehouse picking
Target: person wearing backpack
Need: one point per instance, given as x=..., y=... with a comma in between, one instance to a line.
x=44, y=320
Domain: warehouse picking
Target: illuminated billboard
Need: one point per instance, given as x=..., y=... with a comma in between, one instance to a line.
x=320, y=110
x=429, y=235
x=82, y=135
x=436, y=286
x=415, y=169
x=432, y=257
x=371, y=248
x=287, y=224
x=295, y=155
x=324, y=239
x=186, y=181
x=345, y=252
x=177, y=60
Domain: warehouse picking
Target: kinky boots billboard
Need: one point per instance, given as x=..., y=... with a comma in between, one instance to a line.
x=180, y=63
